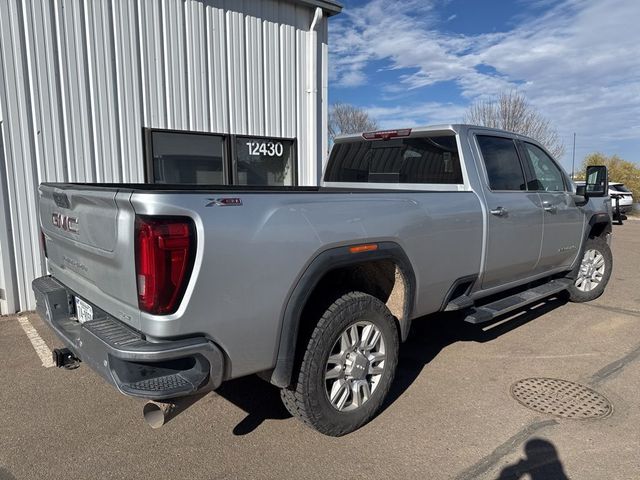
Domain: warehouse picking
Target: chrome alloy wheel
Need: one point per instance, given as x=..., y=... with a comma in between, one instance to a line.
x=591, y=271
x=355, y=366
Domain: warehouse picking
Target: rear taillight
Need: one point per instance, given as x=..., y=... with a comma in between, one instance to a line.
x=165, y=249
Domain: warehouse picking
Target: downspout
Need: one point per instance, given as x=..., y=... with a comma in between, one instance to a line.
x=312, y=99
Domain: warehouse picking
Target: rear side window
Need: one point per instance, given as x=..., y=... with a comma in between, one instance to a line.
x=502, y=163
x=420, y=160
x=548, y=176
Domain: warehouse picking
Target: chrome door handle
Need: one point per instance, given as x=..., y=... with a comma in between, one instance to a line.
x=500, y=212
x=550, y=208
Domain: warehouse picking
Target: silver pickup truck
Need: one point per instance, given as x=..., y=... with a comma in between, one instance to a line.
x=169, y=290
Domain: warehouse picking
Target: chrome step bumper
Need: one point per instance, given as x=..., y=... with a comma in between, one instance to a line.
x=137, y=367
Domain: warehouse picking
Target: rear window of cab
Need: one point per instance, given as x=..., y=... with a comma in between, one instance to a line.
x=416, y=160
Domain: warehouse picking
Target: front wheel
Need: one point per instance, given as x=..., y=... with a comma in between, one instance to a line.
x=348, y=366
x=594, y=272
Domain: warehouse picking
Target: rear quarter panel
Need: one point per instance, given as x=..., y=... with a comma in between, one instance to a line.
x=250, y=257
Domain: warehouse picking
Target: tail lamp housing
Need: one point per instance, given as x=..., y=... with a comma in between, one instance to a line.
x=165, y=250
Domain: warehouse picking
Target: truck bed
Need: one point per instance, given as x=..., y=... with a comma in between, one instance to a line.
x=249, y=256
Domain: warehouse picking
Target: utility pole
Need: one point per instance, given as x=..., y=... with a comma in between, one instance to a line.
x=573, y=161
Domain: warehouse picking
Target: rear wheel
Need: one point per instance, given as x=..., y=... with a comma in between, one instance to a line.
x=348, y=366
x=594, y=271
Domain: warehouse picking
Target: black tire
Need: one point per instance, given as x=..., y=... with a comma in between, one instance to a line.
x=599, y=245
x=308, y=399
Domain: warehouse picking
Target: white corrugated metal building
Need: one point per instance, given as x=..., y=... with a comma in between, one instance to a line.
x=83, y=81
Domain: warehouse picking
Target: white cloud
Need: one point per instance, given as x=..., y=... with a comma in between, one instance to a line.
x=429, y=113
x=578, y=63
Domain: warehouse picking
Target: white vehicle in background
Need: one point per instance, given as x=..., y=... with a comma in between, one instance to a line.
x=621, y=200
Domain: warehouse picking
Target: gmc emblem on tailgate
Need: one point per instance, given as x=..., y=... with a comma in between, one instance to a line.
x=64, y=222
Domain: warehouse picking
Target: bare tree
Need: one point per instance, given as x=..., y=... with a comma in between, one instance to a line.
x=511, y=111
x=345, y=118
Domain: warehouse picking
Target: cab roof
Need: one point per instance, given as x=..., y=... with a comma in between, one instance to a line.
x=456, y=128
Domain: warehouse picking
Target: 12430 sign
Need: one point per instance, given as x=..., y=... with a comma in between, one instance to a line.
x=266, y=148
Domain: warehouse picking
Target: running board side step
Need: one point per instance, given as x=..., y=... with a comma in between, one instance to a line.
x=459, y=303
x=488, y=312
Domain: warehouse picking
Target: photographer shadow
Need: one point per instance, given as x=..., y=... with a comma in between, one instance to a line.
x=541, y=462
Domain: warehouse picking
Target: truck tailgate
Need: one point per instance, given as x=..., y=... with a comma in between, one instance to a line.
x=89, y=234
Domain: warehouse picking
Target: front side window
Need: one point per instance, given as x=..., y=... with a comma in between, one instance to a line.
x=420, y=160
x=187, y=158
x=502, y=163
x=548, y=176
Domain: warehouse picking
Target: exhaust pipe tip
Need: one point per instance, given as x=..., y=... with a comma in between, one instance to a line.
x=159, y=413
x=156, y=414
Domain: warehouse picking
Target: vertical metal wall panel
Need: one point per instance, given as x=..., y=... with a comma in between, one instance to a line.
x=271, y=64
x=176, y=95
x=254, y=67
x=100, y=55
x=217, y=69
x=196, y=48
x=129, y=87
x=152, y=63
x=81, y=79
x=8, y=279
x=288, y=70
x=19, y=144
x=236, y=84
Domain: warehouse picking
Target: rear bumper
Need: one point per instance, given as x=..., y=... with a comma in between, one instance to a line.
x=135, y=366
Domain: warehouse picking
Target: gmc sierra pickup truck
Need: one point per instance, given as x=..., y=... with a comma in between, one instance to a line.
x=169, y=290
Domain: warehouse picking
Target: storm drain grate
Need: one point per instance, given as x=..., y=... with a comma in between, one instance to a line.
x=560, y=398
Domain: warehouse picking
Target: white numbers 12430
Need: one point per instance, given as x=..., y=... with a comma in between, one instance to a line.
x=269, y=149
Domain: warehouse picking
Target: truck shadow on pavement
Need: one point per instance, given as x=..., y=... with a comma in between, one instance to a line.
x=258, y=398
x=429, y=335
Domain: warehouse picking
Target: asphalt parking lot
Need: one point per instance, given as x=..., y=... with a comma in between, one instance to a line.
x=450, y=416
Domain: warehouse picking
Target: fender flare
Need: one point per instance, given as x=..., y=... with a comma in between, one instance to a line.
x=321, y=265
x=600, y=218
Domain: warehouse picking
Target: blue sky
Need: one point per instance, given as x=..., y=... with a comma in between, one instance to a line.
x=421, y=62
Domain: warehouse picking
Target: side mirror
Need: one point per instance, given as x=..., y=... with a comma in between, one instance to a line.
x=597, y=184
x=580, y=197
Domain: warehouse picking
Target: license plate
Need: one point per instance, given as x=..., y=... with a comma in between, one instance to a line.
x=84, y=311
